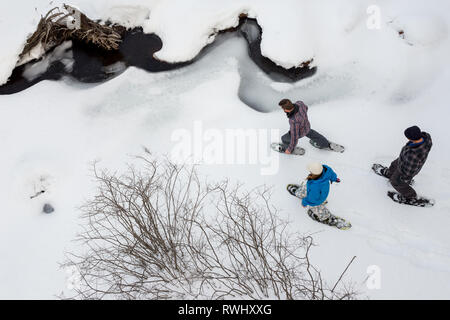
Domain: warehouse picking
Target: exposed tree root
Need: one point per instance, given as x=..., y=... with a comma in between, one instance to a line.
x=69, y=23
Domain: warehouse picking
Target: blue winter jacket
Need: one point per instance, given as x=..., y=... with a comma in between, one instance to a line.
x=317, y=190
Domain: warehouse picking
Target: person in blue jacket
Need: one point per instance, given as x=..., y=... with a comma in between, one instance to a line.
x=314, y=194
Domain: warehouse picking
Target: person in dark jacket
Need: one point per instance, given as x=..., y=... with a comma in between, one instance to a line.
x=299, y=126
x=411, y=160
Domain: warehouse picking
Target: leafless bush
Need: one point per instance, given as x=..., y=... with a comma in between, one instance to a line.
x=158, y=232
x=53, y=29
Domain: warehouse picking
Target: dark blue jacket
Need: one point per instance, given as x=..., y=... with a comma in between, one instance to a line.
x=317, y=190
x=413, y=157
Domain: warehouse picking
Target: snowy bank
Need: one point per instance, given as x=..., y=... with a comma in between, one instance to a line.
x=293, y=31
x=371, y=84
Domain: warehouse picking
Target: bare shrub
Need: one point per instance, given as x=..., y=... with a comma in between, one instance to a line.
x=158, y=232
x=53, y=29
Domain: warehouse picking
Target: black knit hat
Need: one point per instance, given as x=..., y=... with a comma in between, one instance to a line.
x=413, y=133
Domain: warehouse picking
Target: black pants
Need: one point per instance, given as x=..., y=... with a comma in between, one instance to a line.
x=313, y=135
x=398, y=182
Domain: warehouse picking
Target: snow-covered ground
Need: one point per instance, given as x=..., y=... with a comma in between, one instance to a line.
x=371, y=84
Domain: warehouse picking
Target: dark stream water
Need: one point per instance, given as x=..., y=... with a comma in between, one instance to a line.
x=89, y=64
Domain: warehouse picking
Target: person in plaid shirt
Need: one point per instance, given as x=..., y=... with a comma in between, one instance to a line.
x=299, y=126
x=410, y=162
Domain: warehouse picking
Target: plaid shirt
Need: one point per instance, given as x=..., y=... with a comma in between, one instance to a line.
x=299, y=124
x=412, y=158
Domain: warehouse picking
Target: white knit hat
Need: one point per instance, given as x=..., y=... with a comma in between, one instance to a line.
x=315, y=168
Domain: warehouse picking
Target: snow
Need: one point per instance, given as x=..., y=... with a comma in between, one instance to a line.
x=371, y=84
x=294, y=31
x=61, y=53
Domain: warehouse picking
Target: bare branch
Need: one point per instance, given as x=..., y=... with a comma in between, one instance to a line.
x=53, y=29
x=158, y=232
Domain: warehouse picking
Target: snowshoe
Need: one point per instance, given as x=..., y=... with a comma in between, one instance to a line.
x=281, y=148
x=333, y=147
x=292, y=189
x=417, y=202
x=332, y=221
x=379, y=170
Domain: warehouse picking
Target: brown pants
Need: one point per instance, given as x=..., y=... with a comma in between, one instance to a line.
x=398, y=182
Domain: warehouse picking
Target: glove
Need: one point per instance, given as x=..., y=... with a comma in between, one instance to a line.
x=404, y=180
x=338, y=180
